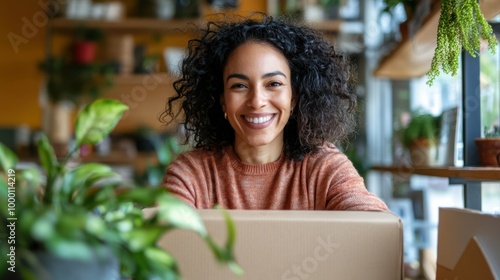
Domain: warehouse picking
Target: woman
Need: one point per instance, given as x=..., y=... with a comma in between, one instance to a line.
x=263, y=102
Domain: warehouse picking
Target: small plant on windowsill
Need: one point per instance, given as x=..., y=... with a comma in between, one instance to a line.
x=83, y=221
x=489, y=147
x=492, y=133
x=420, y=138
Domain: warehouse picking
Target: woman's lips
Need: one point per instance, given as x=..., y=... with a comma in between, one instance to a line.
x=257, y=122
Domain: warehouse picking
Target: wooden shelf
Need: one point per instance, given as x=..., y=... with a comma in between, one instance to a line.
x=157, y=25
x=144, y=79
x=135, y=25
x=326, y=26
x=465, y=173
x=129, y=25
x=412, y=57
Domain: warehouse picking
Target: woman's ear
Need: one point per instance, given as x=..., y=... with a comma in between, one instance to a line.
x=222, y=103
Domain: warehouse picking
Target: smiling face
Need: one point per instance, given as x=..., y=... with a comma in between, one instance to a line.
x=257, y=95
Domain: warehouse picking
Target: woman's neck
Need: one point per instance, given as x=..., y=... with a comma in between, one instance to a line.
x=258, y=154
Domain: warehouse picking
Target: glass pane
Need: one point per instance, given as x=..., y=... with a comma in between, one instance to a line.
x=490, y=117
x=490, y=89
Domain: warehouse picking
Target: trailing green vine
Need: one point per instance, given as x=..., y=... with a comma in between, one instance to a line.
x=461, y=26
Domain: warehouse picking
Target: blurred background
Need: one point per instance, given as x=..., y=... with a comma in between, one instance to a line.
x=57, y=55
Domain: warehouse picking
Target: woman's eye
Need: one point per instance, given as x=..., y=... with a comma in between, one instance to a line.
x=236, y=86
x=275, y=84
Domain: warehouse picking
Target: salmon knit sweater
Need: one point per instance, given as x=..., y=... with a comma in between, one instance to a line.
x=324, y=181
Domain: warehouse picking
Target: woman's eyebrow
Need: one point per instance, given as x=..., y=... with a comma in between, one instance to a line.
x=275, y=73
x=239, y=76
x=244, y=77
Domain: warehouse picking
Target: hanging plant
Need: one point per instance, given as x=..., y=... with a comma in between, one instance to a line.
x=461, y=26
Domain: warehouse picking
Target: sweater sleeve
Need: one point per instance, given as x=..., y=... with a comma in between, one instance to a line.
x=346, y=188
x=177, y=183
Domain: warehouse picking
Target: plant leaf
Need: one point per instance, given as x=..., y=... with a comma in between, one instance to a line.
x=180, y=215
x=8, y=158
x=29, y=183
x=226, y=255
x=160, y=256
x=231, y=238
x=161, y=265
x=4, y=192
x=97, y=120
x=141, y=238
x=231, y=231
x=164, y=152
x=71, y=249
x=145, y=196
x=47, y=156
x=43, y=227
x=86, y=175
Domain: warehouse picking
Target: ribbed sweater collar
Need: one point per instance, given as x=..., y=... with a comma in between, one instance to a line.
x=252, y=169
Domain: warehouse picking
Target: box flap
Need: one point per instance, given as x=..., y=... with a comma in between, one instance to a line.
x=472, y=265
x=462, y=235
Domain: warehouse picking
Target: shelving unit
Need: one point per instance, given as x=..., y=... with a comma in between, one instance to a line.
x=135, y=25
x=412, y=58
x=456, y=174
x=413, y=55
x=128, y=25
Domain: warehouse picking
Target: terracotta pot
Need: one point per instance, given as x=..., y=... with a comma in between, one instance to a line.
x=489, y=151
x=423, y=152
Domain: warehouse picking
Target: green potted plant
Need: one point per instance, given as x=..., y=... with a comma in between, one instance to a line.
x=409, y=6
x=460, y=27
x=72, y=79
x=76, y=76
x=83, y=48
x=331, y=8
x=489, y=147
x=420, y=138
x=84, y=216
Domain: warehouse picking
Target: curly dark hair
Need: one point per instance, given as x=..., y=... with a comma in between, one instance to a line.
x=320, y=74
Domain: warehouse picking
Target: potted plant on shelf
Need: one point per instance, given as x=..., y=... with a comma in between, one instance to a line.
x=420, y=138
x=331, y=8
x=84, y=46
x=489, y=147
x=72, y=79
x=82, y=221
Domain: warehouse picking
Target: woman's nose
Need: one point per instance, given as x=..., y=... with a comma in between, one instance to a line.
x=256, y=98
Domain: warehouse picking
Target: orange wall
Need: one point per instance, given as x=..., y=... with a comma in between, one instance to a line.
x=19, y=76
x=23, y=22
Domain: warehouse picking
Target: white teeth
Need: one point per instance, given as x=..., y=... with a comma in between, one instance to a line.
x=258, y=120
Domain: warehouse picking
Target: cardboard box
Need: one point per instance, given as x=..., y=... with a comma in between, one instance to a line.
x=468, y=245
x=296, y=245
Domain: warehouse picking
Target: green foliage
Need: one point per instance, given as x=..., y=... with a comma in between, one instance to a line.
x=167, y=148
x=391, y=4
x=76, y=210
x=461, y=26
x=421, y=126
x=83, y=33
x=494, y=132
x=329, y=3
x=71, y=80
x=75, y=82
